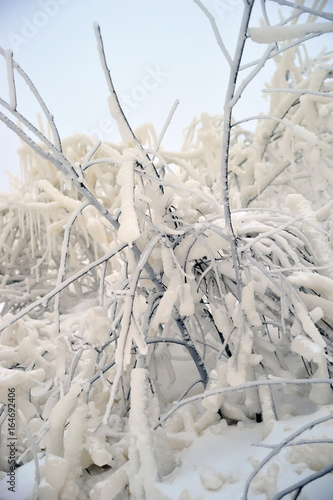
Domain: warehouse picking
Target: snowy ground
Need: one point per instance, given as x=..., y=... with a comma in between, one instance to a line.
x=217, y=463
x=220, y=461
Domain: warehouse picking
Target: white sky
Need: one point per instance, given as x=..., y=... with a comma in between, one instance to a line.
x=157, y=51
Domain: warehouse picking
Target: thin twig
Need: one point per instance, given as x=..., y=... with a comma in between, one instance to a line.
x=215, y=30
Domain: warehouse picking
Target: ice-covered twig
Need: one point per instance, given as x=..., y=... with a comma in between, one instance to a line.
x=271, y=232
x=299, y=91
x=73, y=367
x=97, y=161
x=277, y=450
x=264, y=12
x=63, y=258
x=21, y=459
x=117, y=113
x=48, y=145
x=284, y=295
x=165, y=126
x=48, y=115
x=192, y=350
x=91, y=153
x=281, y=50
x=241, y=387
x=259, y=65
x=216, y=31
x=125, y=130
x=129, y=229
x=303, y=8
x=265, y=117
x=225, y=147
x=102, y=284
x=11, y=79
x=128, y=332
x=303, y=482
x=301, y=442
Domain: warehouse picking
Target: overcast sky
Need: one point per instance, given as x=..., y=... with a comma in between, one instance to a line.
x=157, y=51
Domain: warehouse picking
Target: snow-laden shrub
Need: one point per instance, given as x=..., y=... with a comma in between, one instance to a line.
x=132, y=276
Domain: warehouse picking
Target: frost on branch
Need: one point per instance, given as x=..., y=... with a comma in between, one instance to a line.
x=126, y=284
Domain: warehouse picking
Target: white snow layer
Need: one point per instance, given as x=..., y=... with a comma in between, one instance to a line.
x=220, y=460
x=271, y=34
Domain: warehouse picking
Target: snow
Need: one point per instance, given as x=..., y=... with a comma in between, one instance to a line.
x=25, y=483
x=224, y=456
x=271, y=34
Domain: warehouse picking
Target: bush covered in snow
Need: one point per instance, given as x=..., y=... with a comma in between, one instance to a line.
x=132, y=277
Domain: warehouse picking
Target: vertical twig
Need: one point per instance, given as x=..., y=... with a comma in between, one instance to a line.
x=11, y=79
x=40, y=101
x=228, y=107
x=117, y=113
x=216, y=31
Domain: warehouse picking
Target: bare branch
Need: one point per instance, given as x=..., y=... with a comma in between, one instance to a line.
x=215, y=30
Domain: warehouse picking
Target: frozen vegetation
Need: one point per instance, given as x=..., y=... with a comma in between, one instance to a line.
x=167, y=317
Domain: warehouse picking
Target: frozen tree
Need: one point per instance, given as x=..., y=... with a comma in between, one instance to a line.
x=132, y=277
